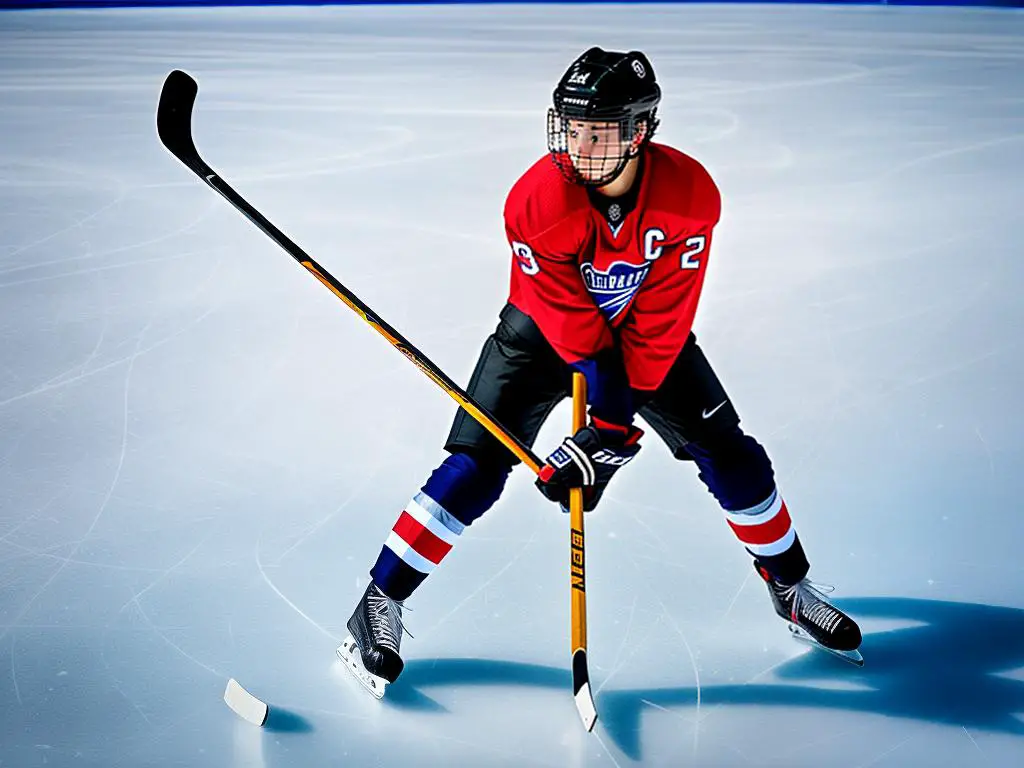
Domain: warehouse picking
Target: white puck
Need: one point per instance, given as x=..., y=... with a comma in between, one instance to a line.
x=245, y=705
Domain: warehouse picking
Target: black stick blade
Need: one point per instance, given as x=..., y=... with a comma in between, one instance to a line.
x=174, y=118
x=581, y=689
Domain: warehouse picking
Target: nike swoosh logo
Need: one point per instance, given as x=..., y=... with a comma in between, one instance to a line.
x=708, y=414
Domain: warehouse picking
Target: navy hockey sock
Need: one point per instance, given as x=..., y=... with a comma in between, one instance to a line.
x=737, y=472
x=457, y=493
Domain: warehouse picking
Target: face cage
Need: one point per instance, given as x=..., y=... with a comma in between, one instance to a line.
x=558, y=146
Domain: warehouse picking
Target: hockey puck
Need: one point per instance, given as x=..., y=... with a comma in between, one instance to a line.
x=244, y=704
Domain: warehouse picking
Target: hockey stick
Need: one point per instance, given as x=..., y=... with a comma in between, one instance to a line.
x=577, y=569
x=174, y=125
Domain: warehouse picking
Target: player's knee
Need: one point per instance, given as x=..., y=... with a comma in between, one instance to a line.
x=735, y=468
x=467, y=486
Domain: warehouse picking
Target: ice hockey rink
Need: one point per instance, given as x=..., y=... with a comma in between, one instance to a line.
x=202, y=450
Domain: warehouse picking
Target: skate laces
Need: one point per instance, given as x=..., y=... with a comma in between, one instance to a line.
x=809, y=601
x=386, y=619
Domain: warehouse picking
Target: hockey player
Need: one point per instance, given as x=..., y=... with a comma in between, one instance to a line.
x=610, y=236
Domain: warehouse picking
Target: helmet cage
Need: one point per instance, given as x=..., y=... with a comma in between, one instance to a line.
x=575, y=168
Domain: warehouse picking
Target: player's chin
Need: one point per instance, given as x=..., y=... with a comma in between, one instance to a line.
x=591, y=175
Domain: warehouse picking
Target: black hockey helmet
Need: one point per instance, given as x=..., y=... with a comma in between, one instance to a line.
x=607, y=87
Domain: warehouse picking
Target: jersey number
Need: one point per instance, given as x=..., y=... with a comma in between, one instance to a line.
x=527, y=261
x=696, y=246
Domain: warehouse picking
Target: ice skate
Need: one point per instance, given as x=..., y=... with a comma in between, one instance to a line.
x=813, y=619
x=370, y=652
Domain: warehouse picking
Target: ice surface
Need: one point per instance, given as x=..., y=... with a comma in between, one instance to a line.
x=202, y=450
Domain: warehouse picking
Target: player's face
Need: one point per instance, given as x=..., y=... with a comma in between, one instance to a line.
x=595, y=148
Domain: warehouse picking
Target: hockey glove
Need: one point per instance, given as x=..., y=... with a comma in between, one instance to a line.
x=588, y=459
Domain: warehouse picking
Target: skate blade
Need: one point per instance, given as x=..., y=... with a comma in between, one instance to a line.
x=851, y=657
x=348, y=652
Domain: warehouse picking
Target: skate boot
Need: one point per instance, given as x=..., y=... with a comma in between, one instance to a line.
x=370, y=652
x=812, y=618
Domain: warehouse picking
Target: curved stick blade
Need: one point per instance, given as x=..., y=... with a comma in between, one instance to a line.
x=174, y=117
x=244, y=704
x=581, y=690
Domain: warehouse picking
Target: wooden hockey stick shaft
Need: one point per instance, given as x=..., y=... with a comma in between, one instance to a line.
x=174, y=125
x=578, y=577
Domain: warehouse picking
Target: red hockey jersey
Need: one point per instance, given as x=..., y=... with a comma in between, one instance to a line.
x=579, y=279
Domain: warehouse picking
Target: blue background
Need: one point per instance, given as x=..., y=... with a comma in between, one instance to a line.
x=15, y=4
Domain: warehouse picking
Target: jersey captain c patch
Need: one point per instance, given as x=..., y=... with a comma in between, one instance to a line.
x=613, y=288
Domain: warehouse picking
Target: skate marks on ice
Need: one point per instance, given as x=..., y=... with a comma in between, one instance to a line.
x=947, y=670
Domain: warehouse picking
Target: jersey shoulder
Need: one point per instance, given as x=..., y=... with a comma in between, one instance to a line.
x=546, y=210
x=681, y=185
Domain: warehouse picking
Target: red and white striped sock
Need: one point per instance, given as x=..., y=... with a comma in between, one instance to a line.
x=423, y=534
x=765, y=529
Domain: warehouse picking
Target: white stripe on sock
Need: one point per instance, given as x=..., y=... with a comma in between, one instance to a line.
x=776, y=547
x=753, y=515
x=410, y=556
x=431, y=523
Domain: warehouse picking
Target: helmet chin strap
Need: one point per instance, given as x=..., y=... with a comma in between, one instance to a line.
x=615, y=174
x=576, y=176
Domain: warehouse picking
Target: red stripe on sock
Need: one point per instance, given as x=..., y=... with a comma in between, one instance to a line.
x=766, y=533
x=421, y=539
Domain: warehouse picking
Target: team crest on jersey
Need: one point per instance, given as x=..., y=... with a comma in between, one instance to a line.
x=613, y=288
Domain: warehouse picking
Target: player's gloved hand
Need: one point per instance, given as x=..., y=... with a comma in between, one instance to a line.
x=588, y=459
